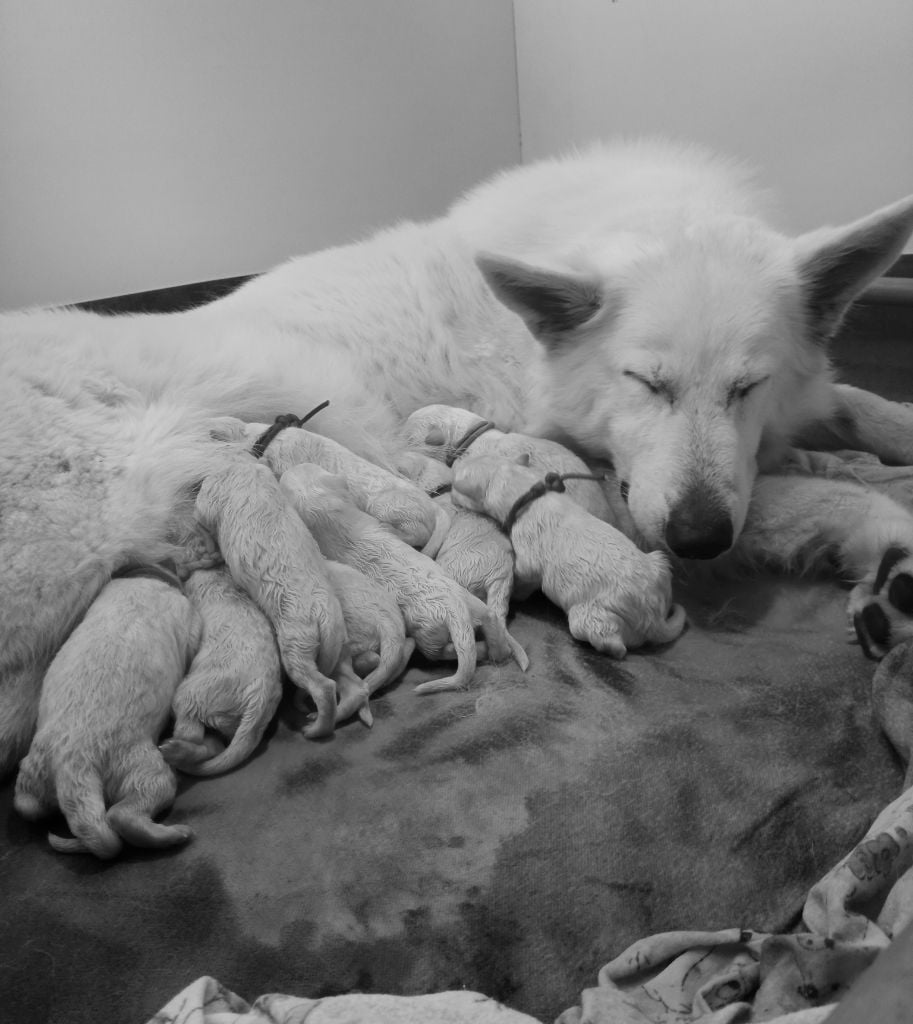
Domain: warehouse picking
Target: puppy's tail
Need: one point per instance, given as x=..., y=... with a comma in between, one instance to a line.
x=81, y=796
x=244, y=742
x=442, y=523
x=464, y=644
x=670, y=628
x=394, y=656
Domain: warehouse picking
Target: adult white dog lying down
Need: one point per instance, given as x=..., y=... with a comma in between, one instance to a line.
x=630, y=300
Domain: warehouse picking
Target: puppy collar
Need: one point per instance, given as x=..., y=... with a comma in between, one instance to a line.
x=551, y=482
x=150, y=570
x=462, y=446
x=288, y=419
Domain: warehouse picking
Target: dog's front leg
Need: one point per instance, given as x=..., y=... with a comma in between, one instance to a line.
x=801, y=522
x=865, y=422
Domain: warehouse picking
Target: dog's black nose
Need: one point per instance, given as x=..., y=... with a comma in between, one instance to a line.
x=698, y=528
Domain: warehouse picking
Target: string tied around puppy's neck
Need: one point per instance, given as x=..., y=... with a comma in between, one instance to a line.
x=288, y=419
x=462, y=446
x=551, y=482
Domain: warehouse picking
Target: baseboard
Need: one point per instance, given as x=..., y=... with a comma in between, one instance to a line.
x=165, y=300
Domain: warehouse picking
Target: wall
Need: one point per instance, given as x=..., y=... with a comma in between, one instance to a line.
x=147, y=144
x=817, y=93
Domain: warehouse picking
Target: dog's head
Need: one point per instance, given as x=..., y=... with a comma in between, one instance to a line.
x=681, y=363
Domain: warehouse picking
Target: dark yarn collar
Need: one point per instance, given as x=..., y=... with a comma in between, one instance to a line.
x=553, y=482
x=462, y=446
x=167, y=573
x=288, y=419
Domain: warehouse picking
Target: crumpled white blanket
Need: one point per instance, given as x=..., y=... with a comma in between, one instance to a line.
x=205, y=1001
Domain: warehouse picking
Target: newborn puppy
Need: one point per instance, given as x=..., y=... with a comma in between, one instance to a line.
x=448, y=433
x=105, y=700
x=382, y=494
x=615, y=595
x=435, y=608
x=478, y=555
x=234, y=684
x=273, y=557
x=377, y=633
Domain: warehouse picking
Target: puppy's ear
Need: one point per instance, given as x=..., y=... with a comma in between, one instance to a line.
x=523, y=459
x=552, y=304
x=435, y=437
x=836, y=264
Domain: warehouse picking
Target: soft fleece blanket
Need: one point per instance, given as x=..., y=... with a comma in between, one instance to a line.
x=512, y=839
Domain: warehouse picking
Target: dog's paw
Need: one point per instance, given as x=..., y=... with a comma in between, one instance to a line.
x=880, y=608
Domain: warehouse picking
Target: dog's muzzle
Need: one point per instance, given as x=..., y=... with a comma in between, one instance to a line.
x=699, y=527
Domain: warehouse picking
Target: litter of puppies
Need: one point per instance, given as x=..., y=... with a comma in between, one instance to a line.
x=334, y=572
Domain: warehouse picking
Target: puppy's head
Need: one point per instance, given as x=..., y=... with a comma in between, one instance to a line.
x=675, y=361
x=490, y=483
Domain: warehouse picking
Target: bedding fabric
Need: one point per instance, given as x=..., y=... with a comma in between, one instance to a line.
x=511, y=839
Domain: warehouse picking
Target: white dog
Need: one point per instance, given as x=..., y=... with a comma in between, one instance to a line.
x=272, y=555
x=631, y=300
x=106, y=698
x=616, y=597
x=234, y=685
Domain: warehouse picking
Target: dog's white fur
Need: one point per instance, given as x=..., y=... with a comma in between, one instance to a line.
x=439, y=614
x=661, y=322
x=234, y=684
x=616, y=597
x=105, y=701
x=272, y=555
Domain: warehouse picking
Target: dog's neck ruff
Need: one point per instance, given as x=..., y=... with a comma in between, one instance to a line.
x=462, y=446
x=553, y=482
x=152, y=571
x=288, y=419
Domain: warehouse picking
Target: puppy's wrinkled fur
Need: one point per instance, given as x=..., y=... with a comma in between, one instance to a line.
x=234, y=684
x=377, y=632
x=437, y=430
x=616, y=597
x=105, y=701
x=437, y=611
x=478, y=555
x=271, y=554
x=389, y=498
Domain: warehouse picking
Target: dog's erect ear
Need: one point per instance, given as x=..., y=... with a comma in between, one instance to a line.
x=551, y=303
x=836, y=264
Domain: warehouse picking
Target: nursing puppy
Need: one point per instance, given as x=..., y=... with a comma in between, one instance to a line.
x=631, y=300
x=616, y=597
x=440, y=615
x=233, y=686
x=105, y=701
x=377, y=632
x=271, y=554
x=389, y=498
x=478, y=556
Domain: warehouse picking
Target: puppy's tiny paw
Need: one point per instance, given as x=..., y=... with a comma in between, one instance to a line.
x=880, y=608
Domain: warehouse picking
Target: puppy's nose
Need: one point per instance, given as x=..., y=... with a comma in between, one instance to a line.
x=698, y=527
